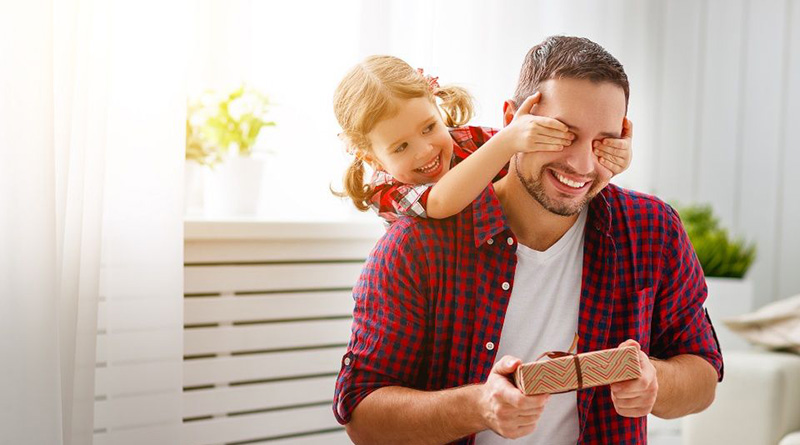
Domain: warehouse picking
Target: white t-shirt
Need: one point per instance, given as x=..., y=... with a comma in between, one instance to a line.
x=542, y=316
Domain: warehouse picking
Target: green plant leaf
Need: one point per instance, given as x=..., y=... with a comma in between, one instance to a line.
x=718, y=253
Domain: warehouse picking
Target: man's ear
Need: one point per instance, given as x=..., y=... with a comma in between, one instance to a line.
x=509, y=110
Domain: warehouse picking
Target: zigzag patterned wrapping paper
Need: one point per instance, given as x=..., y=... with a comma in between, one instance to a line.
x=597, y=368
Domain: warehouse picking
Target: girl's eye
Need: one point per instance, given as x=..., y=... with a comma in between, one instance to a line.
x=401, y=147
x=429, y=128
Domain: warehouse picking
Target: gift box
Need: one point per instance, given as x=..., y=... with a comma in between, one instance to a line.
x=565, y=372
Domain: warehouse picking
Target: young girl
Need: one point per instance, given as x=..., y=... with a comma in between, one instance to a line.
x=390, y=121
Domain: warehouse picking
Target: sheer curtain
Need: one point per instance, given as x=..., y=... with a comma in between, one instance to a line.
x=92, y=105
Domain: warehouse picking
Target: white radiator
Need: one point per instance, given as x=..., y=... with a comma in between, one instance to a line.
x=267, y=312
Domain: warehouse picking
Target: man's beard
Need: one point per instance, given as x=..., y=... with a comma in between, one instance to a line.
x=535, y=188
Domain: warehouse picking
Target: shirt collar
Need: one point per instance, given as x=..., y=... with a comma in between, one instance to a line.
x=490, y=219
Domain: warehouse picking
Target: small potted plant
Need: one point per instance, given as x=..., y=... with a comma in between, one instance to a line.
x=221, y=131
x=725, y=261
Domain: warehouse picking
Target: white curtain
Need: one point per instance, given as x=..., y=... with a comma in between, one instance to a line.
x=92, y=105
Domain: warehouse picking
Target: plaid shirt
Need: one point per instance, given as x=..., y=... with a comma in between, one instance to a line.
x=433, y=295
x=392, y=199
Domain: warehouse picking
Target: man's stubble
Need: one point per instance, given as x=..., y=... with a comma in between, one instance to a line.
x=535, y=188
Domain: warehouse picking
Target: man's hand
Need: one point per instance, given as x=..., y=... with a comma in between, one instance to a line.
x=635, y=398
x=528, y=132
x=504, y=408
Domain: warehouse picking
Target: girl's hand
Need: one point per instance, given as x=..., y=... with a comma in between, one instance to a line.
x=528, y=133
x=616, y=154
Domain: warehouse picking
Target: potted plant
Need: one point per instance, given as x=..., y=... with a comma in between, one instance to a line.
x=221, y=131
x=725, y=261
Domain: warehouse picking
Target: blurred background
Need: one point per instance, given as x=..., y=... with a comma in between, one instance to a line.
x=175, y=268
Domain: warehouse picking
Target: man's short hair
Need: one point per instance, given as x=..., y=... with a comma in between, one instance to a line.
x=559, y=57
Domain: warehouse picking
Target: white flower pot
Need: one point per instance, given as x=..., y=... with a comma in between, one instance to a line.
x=728, y=297
x=232, y=189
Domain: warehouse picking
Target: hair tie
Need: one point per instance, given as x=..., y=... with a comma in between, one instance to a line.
x=433, y=82
x=349, y=147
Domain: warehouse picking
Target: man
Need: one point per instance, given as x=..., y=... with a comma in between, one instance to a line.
x=549, y=252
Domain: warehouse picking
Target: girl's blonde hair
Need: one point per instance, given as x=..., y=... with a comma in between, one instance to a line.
x=369, y=93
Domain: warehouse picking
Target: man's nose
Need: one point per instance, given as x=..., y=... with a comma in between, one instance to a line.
x=581, y=157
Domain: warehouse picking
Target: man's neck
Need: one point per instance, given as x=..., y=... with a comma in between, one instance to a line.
x=533, y=225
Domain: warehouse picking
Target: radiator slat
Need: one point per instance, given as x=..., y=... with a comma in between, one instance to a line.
x=267, y=307
x=277, y=277
x=257, y=426
x=262, y=366
x=265, y=336
x=208, y=402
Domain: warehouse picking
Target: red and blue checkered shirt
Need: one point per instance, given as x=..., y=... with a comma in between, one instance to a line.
x=392, y=199
x=433, y=294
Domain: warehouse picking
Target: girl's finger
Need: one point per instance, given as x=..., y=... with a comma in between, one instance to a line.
x=549, y=122
x=611, y=158
x=545, y=139
x=616, y=143
x=547, y=131
x=616, y=169
x=620, y=152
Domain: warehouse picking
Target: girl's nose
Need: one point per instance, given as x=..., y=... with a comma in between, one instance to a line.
x=425, y=151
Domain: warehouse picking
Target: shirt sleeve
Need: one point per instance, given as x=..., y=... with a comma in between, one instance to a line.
x=393, y=199
x=682, y=325
x=389, y=322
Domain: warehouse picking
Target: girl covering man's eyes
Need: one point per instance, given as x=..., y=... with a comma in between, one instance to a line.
x=425, y=162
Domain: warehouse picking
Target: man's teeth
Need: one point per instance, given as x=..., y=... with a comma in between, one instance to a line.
x=570, y=183
x=433, y=165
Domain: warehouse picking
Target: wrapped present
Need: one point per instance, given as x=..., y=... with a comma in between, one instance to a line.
x=565, y=372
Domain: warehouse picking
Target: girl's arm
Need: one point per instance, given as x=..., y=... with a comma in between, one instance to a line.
x=466, y=180
x=526, y=132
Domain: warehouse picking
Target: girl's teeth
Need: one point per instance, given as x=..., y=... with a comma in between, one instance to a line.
x=572, y=184
x=427, y=168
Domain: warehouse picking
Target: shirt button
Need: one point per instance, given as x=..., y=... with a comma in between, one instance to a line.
x=347, y=361
x=505, y=285
x=510, y=241
x=489, y=345
x=490, y=241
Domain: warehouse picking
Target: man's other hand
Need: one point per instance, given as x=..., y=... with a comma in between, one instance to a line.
x=635, y=398
x=504, y=408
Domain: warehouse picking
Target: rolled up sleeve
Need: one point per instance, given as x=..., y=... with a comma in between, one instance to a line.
x=682, y=325
x=388, y=330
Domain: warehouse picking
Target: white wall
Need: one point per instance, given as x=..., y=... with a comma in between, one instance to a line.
x=728, y=105
x=715, y=89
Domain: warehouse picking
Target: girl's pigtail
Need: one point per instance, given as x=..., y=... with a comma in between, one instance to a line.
x=457, y=105
x=354, y=187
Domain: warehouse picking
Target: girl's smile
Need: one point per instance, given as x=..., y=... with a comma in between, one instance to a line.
x=413, y=145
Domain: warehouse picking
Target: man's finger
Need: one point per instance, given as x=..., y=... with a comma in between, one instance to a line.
x=506, y=365
x=528, y=104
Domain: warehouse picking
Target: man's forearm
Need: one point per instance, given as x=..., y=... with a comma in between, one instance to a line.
x=686, y=385
x=401, y=415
